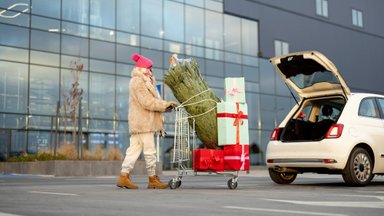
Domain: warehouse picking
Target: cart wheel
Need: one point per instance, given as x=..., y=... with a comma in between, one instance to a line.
x=178, y=184
x=232, y=184
x=174, y=183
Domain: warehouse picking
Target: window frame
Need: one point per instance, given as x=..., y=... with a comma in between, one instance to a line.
x=379, y=107
x=357, y=15
x=322, y=8
x=377, y=110
x=281, y=46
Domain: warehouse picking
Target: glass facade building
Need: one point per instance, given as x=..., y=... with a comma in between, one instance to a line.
x=40, y=38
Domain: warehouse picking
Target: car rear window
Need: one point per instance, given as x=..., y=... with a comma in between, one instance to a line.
x=306, y=80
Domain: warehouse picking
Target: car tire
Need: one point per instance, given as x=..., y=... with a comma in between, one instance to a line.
x=358, y=171
x=281, y=177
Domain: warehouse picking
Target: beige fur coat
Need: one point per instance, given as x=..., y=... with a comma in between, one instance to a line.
x=145, y=104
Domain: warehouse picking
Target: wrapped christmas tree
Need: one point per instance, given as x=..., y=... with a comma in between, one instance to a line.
x=190, y=89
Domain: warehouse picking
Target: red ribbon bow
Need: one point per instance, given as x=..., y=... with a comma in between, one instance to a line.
x=238, y=119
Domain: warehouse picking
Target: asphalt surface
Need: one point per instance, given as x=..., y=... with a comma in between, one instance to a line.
x=204, y=194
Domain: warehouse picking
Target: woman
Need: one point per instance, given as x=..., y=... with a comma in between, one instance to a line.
x=144, y=119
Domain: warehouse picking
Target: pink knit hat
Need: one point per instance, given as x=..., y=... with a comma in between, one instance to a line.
x=141, y=61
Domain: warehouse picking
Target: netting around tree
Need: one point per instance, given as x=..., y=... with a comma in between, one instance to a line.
x=187, y=84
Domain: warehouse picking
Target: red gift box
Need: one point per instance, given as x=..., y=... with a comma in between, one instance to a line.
x=236, y=157
x=208, y=160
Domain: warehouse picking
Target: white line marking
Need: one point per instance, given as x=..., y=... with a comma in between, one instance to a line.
x=351, y=204
x=366, y=196
x=377, y=192
x=52, y=193
x=8, y=214
x=283, y=211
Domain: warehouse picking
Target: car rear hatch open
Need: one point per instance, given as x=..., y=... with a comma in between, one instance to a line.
x=310, y=74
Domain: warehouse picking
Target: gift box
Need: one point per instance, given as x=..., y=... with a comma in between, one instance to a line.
x=234, y=90
x=208, y=160
x=232, y=123
x=236, y=157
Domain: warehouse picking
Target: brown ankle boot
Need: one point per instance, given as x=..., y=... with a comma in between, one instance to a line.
x=155, y=183
x=125, y=182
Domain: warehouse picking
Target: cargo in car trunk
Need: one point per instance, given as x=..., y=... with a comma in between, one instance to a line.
x=313, y=119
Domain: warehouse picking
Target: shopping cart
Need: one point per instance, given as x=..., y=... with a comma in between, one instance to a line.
x=184, y=144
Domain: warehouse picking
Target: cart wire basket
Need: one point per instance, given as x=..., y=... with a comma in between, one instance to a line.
x=184, y=140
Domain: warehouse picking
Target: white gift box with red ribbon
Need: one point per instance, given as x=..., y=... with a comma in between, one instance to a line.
x=232, y=123
x=234, y=89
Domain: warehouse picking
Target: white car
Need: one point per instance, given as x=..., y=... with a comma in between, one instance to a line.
x=330, y=130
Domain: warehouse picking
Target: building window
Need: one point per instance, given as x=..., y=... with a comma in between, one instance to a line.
x=357, y=18
x=322, y=8
x=14, y=85
x=281, y=48
x=173, y=21
x=249, y=37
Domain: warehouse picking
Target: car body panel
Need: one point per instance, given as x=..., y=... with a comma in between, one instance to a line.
x=357, y=130
x=366, y=130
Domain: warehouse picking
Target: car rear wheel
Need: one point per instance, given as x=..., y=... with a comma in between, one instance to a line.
x=282, y=177
x=358, y=171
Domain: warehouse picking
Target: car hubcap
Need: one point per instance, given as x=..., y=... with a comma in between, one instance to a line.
x=362, y=167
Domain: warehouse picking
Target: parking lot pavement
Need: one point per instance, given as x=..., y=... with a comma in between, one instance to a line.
x=205, y=194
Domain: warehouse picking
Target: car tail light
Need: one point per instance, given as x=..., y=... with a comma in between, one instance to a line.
x=334, y=131
x=275, y=135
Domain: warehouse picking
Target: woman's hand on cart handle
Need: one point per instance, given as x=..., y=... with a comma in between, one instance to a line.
x=170, y=106
x=162, y=133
